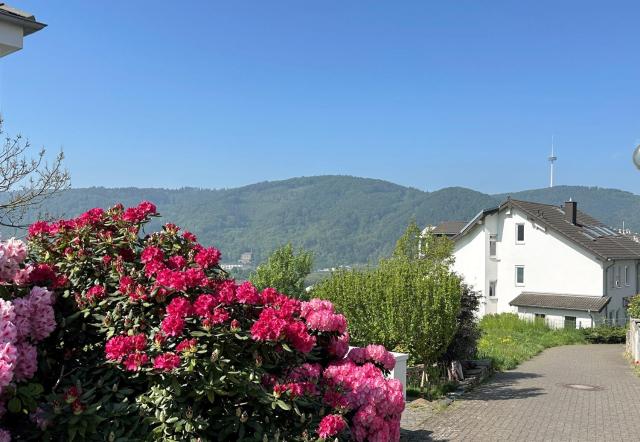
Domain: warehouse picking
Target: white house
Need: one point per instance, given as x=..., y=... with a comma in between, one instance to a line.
x=14, y=26
x=546, y=261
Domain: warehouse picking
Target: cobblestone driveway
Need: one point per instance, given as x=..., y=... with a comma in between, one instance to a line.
x=532, y=403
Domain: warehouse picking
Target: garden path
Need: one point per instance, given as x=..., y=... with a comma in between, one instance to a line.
x=534, y=403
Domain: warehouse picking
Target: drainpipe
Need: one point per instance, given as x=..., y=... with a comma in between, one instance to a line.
x=604, y=283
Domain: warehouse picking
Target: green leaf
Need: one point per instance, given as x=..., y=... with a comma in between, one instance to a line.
x=283, y=405
x=14, y=405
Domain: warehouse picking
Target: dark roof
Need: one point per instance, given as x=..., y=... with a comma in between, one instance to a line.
x=588, y=232
x=449, y=228
x=24, y=19
x=561, y=302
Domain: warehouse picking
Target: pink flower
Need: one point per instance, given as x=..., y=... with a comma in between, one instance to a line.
x=26, y=362
x=339, y=346
x=166, y=361
x=331, y=425
x=5, y=436
x=8, y=357
x=321, y=316
x=373, y=353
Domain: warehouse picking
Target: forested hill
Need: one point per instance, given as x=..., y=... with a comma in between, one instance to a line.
x=344, y=220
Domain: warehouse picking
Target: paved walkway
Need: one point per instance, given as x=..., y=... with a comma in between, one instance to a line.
x=533, y=403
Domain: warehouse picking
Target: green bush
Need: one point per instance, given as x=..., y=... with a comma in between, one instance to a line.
x=508, y=340
x=634, y=307
x=409, y=303
x=605, y=335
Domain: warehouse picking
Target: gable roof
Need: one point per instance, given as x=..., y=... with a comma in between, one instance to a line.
x=561, y=302
x=24, y=19
x=588, y=232
x=449, y=228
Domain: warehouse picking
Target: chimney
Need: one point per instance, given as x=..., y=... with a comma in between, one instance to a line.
x=571, y=211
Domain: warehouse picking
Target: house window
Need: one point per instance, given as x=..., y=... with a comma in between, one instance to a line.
x=616, y=276
x=492, y=246
x=539, y=316
x=626, y=276
x=570, y=322
x=520, y=275
x=519, y=233
x=492, y=289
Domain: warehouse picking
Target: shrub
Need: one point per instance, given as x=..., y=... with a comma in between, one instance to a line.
x=508, y=340
x=634, y=307
x=154, y=342
x=605, y=335
x=464, y=343
x=404, y=304
x=285, y=270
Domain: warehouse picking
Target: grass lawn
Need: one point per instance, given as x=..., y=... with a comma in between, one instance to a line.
x=509, y=340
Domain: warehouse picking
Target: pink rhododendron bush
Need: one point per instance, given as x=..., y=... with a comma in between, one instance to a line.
x=152, y=341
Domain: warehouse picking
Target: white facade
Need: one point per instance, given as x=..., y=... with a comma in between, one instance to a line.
x=529, y=257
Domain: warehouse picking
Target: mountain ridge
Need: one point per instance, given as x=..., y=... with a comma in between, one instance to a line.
x=341, y=218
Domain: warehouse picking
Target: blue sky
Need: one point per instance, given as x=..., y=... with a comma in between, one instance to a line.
x=422, y=93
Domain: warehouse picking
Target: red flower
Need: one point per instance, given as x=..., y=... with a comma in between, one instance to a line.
x=147, y=208
x=204, y=304
x=71, y=395
x=218, y=316
x=180, y=307
x=187, y=345
x=207, y=257
x=269, y=326
x=151, y=254
x=120, y=346
x=126, y=285
x=299, y=337
x=331, y=425
x=42, y=274
x=189, y=236
x=78, y=407
x=38, y=228
x=247, y=293
x=227, y=291
x=166, y=361
x=95, y=292
x=172, y=279
x=135, y=360
x=177, y=262
x=172, y=325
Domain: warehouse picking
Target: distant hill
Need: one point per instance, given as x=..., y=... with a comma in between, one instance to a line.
x=343, y=219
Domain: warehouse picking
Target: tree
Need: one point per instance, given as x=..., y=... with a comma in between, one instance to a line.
x=26, y=182
x=415, y=244
x=285, y=270
x=465, y=342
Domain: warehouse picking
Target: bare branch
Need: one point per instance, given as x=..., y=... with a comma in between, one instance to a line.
x=26, y=182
